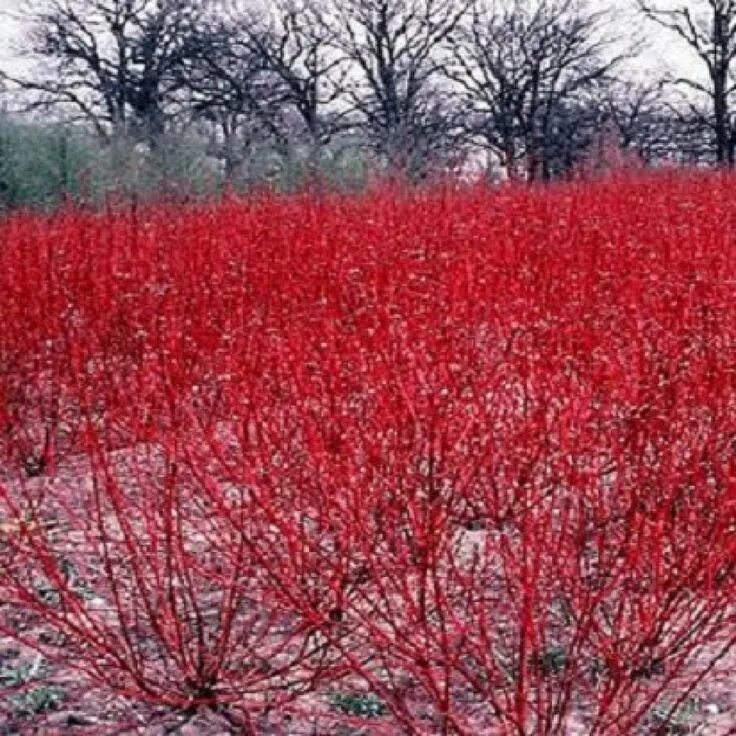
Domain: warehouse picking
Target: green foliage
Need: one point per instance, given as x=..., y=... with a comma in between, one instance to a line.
x=29, y=701
x=45, y=165
x=551, y=662
x=360, y=705
x=673, y=721
x=11, y=677
x=40, y=165
x=38, y=700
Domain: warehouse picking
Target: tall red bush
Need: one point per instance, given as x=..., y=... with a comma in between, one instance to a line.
x=449, y=461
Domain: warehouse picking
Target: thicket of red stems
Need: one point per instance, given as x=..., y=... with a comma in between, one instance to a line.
x=470, y=452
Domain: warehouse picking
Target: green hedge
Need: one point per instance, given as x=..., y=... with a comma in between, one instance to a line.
x=44, y=165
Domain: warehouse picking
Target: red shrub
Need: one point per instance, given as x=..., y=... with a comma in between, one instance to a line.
x=451, y=462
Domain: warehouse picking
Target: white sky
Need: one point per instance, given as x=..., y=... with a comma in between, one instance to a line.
x=661, y=52
x=8, y=29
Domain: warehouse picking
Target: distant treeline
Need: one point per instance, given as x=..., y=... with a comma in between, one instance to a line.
x=43, y=165
x=193, y=96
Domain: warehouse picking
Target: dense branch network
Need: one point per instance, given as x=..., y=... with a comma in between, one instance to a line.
x=413, y=84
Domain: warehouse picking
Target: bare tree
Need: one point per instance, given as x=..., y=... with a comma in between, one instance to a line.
x=296, y=44
x=116, y=62
x=574, y=128
x=234, y=96
x=394, y=48
x=271, y=71
x=521, y=65
x=647, y=121
x=708, y=27
x=633, y=111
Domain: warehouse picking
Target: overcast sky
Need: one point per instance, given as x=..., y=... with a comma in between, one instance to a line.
x=661, y=52
x=8, y=29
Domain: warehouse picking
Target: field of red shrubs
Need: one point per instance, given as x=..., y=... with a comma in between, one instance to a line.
x=439, y=461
